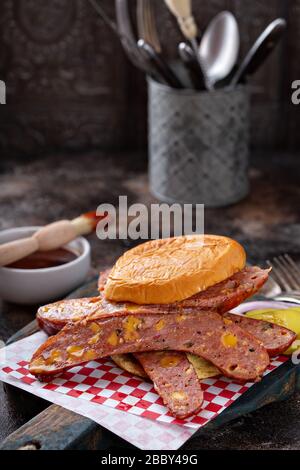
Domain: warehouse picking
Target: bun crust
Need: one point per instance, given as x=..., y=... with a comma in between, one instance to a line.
x=173, y=269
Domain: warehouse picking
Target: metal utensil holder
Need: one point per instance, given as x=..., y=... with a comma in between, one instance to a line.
x=198, y=145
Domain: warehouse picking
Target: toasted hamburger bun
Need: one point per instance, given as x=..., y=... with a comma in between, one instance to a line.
x=173, y=269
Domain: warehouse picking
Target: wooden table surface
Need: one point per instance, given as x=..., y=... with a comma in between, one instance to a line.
x=62, y=186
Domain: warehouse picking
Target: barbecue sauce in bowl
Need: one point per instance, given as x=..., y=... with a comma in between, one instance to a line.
x=44, y=259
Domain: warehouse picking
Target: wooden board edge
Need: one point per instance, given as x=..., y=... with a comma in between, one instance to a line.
x=55, y=428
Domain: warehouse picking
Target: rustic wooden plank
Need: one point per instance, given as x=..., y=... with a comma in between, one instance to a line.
x=56, y=429
x=24, y=332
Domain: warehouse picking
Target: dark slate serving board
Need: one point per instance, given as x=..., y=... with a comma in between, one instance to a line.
x=58, y=428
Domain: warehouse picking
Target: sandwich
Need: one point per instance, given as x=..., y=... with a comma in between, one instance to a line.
x=162, y=313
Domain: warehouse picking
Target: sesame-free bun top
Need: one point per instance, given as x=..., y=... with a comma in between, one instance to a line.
x=173, y=269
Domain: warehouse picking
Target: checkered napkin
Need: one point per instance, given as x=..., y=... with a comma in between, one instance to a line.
x=102, y=383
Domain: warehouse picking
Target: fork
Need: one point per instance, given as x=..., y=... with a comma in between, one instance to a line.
x=287, y=275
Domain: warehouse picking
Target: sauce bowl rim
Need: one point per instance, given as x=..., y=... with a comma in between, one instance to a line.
x=86, y=249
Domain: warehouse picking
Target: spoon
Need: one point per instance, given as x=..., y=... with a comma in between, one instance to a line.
x=219, y=47
x=260, y=50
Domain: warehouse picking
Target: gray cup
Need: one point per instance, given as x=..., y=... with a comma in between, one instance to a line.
x=199, y=145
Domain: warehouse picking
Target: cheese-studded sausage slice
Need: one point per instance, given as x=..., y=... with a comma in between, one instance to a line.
x=175, y=380
x=275, y=338
x=233, y=351
x=220, y=298
x=53, y=317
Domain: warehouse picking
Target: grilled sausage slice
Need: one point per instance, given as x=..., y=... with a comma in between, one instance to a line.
x=276, y=339
x=175, y=380
x=233, y=351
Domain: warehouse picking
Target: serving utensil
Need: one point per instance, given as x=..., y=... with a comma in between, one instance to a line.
x=182, y=10
x=260, y=50
x=286, y=273
x=290, y=297
x=219, y=46
x=285, y=276
x=50, y=237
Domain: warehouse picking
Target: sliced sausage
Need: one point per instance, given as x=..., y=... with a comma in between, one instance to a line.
x=233, y=351
x=220, y=298
x=53, y=317
x=276, y=339
x=230, y=293
x=175, y=380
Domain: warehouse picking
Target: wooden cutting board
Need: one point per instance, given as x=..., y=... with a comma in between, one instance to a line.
x=59, y=429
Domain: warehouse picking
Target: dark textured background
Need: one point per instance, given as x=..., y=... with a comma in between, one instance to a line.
x=70, y=85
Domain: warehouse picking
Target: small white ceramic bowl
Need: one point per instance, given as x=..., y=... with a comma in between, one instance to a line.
x=40, y=286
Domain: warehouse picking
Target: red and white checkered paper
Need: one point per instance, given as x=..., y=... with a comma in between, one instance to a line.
x=103, y=383
x=146, y=434
x=124, y=404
